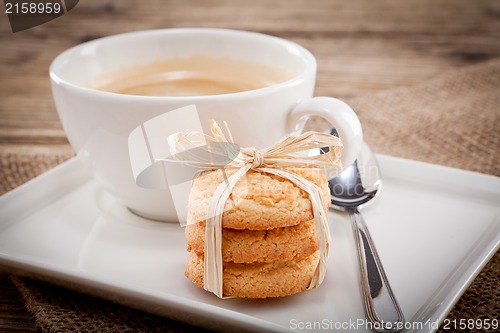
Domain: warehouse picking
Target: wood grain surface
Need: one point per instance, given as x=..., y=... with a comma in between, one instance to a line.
x=362, y=47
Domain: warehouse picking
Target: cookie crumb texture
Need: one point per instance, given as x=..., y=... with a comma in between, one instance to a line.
x=265, y=246
x=258, y=280
x=269, y=241
x=259, y=201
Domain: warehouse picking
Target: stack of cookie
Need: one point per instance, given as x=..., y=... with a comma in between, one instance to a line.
x=269, y=243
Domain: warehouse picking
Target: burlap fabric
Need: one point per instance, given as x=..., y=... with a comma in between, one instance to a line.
x=452, y=120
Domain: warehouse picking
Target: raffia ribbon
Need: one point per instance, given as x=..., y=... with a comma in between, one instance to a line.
x=273, y=160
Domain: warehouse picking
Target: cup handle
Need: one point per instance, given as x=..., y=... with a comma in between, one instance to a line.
x=339, y=115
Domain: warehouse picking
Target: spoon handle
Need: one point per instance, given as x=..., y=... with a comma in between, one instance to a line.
x=381, y=306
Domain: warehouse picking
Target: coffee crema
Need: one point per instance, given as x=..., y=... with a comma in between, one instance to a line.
x=197, y=75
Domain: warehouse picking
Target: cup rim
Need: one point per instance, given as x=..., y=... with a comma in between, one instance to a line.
x=310, y=67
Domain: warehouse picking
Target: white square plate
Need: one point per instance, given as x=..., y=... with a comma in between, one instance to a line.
x=434, y=227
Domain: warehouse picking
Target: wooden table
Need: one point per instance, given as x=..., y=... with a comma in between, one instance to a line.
x=362, y=47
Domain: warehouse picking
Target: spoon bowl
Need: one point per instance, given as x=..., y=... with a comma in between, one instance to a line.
x=358, y=183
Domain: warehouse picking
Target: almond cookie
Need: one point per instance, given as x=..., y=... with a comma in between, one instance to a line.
x=259, y=201
x=248, y=246
x=258, y=280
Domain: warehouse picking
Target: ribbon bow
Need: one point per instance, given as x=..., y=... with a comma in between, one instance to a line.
x=288, y=153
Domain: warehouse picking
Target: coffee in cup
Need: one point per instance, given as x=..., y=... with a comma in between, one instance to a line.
x=195, y=75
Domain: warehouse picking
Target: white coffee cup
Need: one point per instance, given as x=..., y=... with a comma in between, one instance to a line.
x=98, y=123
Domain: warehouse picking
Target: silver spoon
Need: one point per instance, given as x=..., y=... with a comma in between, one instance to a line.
x=355, y=186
